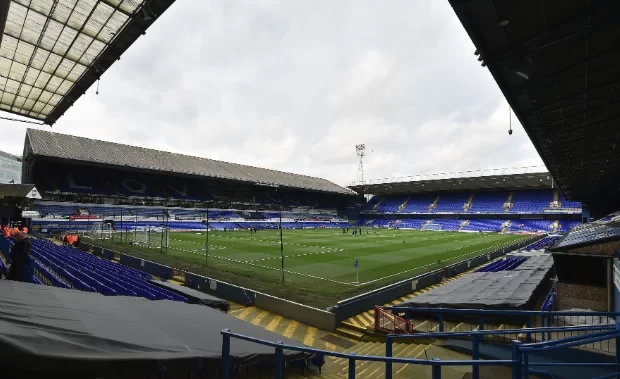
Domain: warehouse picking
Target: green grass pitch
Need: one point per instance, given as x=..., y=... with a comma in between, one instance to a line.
x=319, y=263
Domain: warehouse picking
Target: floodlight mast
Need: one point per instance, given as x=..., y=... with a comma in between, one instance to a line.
x=360, y=150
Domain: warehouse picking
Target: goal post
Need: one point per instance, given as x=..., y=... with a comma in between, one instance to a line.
x=151, y=236
x=100, y=231
x=436, y=227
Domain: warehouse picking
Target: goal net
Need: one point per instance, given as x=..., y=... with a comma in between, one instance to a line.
x=155, y=237
x=100, y=231
x=431, y=227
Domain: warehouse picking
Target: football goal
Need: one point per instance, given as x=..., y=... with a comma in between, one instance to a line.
x=150, y=236
x=100, y=231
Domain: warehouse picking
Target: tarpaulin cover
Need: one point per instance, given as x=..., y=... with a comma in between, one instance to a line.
x=489, y=290
x=193, y=296
x=54, y=330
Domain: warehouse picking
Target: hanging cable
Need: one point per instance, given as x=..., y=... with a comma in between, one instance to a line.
x=97, y=92
x=509, y=121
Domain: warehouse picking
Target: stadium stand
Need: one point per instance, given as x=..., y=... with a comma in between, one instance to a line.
x=43, y=144
x=451, y=202
x=418, y=203
x=489, y=202
x=568, y=204
x=447, y=224
x=67, y=267
x=514, y=291
x=544, y=243
x=390, y=204
x=484, y=225
x=531, y=201
x=530, y=225
x=506, y=264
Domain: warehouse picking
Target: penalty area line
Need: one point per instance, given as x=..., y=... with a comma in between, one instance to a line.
x=250, y=263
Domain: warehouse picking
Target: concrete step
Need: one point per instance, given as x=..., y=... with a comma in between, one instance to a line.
x=412, y=351
x=350, y=333
x=349, y=325
x=370, y=369
x=360, y=349
x=377, y=349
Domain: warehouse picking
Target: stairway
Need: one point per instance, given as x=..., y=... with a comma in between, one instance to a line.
x=508, y=203
x=403, y=205
x=505, y=226
x=556, y=200
x=433, y=204
x=367, y=369
x=363, y=321
x=463, y=224
x=376, y=207
x=555, y=226
x=468, y=204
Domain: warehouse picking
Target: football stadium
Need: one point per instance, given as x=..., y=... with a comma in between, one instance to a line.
x=122, y=261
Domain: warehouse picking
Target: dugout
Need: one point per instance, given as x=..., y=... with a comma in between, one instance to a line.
x=586, y=261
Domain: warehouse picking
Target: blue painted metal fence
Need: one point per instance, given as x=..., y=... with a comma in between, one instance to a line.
x=466, y=318
x=519, y=363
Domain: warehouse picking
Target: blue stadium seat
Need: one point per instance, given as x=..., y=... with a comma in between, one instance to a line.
x=67, y=267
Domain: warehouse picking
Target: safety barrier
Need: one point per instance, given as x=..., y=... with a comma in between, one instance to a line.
x=467, y=320
x=220, y=289
x=519, y=363
x=152, y=268
x=308, y=315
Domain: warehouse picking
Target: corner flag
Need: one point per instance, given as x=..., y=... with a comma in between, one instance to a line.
x=356, y=263
x=357, y=271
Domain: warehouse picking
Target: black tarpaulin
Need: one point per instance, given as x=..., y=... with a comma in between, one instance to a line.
x=54, y=330
x=489, y=290
x=193, y=296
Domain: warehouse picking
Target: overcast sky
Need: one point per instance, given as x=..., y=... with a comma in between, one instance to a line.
x=294, y=85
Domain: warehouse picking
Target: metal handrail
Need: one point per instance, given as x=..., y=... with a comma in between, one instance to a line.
x=578, y=328
x=564, y=344
x=519, y=362
x=485, y=312
x=477, y=336
x=436, y=363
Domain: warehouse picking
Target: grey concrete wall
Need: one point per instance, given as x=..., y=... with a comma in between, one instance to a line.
x=308, y=315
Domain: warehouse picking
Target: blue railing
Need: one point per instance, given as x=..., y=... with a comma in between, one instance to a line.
x=519, y=362
x=477, y=336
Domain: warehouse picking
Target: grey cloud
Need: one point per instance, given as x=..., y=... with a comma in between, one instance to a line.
x=295, y=85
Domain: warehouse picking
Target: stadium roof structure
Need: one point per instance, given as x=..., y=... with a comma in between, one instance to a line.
x=557, y=64
x=62, y=147
x=52, y=51
x=494, y=179
x=27, y=191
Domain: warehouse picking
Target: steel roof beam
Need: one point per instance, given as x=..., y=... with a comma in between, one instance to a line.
x=4, y=14
x=559, y=101
x=606, y=105
x=64, y=24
